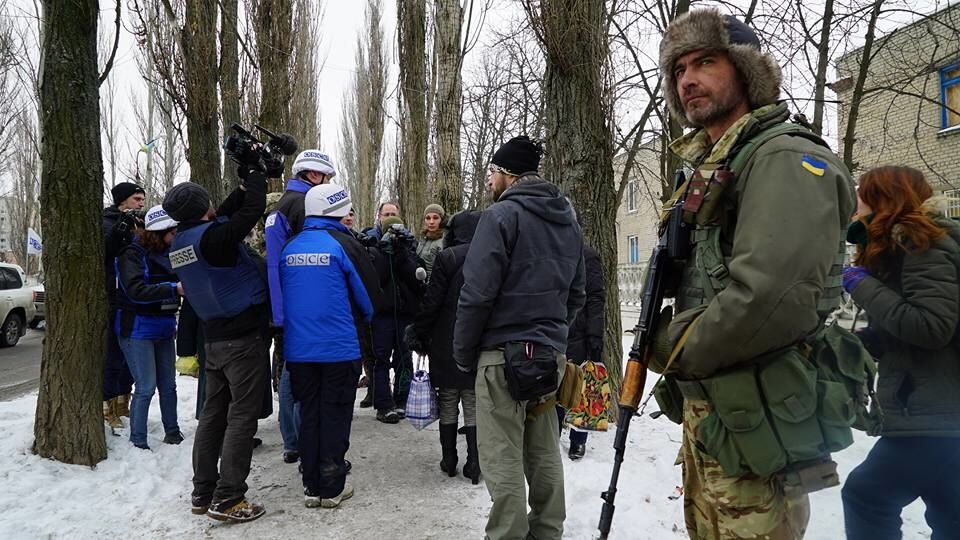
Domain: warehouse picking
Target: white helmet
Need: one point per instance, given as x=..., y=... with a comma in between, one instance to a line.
x=327, y=200
x=314, y=160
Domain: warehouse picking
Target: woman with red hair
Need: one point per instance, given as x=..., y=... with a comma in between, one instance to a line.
x=907, y=261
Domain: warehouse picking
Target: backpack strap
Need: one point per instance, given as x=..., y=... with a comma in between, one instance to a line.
x=745, y=150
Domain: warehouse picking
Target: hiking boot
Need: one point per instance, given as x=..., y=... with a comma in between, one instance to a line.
x=388, y=416
x=174, y=437
x=577, y=450
x=291, y=456
x=110, y=414
x=142, y=446
x=448, y=449
x=312, y=501
x=123, y=405
x=471, y=469
x=235, y=510
x=367, y=401
x=199, y=505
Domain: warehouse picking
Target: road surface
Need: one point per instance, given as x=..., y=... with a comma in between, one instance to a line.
x=20, y=366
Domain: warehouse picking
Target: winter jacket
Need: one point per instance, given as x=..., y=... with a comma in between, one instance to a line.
x=437, y=315
x=147, y=297
x=114, y=239
x=780, y=223
x=427, y=248
x=521, y=286
x=321, y=286
x=282, y=224
x=916, y=309
x=397, y=279
x=222, y=245
x=585, y=340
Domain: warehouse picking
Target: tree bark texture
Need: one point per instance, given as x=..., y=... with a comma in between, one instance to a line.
x=303, y=104
x=229, y=80
x=823, y=62
x=415, y=122
x=69, y=420
x=448, y=188
x=275, y=48
x=579, y=141
x=850, y=136
x=200, y=75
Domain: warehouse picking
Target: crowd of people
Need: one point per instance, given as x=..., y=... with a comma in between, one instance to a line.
x=500, y=301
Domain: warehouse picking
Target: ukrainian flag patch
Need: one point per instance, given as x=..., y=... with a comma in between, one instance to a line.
x=815, y=166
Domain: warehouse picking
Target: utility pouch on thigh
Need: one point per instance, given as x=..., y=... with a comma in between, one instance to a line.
x=809, y=476
x=738, y=432
x=571, y=386
x=530, y=369
x=789, y=384
x=670, y=400
x=847, y=375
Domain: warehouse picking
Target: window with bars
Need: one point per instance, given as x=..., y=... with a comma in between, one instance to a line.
x=953, y=202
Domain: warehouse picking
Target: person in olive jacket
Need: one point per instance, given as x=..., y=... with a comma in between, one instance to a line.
x=908, y=255
x=432, y=333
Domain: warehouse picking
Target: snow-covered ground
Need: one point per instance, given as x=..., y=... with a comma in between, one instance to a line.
x=400, y=491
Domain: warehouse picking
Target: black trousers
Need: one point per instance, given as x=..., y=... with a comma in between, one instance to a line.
x=235, y=380
x=326, y=393
x=117, y=380
x=387, y=342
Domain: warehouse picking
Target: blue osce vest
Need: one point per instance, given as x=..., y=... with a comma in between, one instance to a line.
x=215, y=292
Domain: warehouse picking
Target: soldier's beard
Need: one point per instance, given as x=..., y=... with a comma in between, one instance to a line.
x=717, y=107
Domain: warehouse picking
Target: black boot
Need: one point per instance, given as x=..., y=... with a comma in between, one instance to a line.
x=448, y=445
x=471, y=469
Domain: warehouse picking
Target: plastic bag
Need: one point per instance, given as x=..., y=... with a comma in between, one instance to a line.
x=421, y=408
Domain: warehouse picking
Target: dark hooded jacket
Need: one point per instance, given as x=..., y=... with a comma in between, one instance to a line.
x=523, y=279
x=114, y=239
x=437, y=315
x=585, y=341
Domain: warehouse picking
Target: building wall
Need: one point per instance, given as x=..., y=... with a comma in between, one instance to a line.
x=640, y=221
x=896, y=126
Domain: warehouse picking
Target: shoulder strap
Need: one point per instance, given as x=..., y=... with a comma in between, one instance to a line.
x=744, y=151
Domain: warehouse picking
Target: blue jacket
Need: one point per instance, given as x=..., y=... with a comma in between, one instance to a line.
x=285, y=222
x=321, y=287
x=146, y=297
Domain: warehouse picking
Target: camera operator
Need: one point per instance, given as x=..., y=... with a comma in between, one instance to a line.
x=120, y=220
x=401, y=280
x=229, y=294
x=311, y=168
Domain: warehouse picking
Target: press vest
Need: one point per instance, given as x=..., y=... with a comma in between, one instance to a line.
x=215, y=292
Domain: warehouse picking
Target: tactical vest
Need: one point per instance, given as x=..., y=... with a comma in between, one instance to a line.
x=215, y=292
x=785, y=411
x=154, y=272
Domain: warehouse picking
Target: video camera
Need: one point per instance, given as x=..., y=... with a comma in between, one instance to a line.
x=267, y=157
x=396, y=237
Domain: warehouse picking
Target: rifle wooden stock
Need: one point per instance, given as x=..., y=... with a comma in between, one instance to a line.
x=634, y=381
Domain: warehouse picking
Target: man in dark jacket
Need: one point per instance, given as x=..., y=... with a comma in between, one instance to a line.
x=118, y=225
x=585, y=340
x=432, y=333
x=311, y=168
x=397, y=265
x=520, y=294
x=229, y=294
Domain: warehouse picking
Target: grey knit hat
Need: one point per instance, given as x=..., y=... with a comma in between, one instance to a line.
x=434, y=208
x=708, y=29
x=186, y=201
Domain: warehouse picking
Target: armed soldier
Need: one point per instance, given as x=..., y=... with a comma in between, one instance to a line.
x=766, y=206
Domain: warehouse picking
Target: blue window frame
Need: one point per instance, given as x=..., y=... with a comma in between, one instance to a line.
x=634, y=244
x=950, y=96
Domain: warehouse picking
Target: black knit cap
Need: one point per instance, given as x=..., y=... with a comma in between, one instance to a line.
x=123, y=191
x=518, y=155
x=186, y=202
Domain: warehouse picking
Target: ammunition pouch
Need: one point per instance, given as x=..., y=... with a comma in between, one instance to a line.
x=670, y=400
x=786, y=411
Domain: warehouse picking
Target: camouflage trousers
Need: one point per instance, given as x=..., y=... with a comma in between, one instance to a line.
x=717, y=506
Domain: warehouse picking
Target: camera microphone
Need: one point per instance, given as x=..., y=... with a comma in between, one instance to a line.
x=285, y=143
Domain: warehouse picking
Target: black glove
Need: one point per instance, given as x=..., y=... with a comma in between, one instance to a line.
x=413, y=341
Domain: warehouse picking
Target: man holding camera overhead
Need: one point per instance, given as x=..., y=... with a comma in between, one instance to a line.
x=229, y=294
x=311, y=168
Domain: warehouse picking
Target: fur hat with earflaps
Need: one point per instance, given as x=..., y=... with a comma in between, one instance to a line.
x=708, y=29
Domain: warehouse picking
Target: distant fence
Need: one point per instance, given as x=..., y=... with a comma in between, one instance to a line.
x=630, y=281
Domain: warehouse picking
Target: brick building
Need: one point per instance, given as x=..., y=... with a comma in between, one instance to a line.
x=637, y=217
x=910, y=111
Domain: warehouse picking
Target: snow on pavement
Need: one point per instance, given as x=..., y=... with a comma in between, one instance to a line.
x=400, y=491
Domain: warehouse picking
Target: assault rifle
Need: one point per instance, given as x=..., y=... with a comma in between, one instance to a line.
x=672, y=246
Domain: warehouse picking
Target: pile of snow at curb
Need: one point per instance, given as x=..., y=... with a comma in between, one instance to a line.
x=400, y=491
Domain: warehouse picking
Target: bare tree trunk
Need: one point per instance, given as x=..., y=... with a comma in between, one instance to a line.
x=850, y=137
x=303, y=105
x=229, y=78
x=273, y=19
x=200, y=85
x=449, y=61
x=414, y=122
x=823, y=62
x=580, y=143
x=69, y=420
